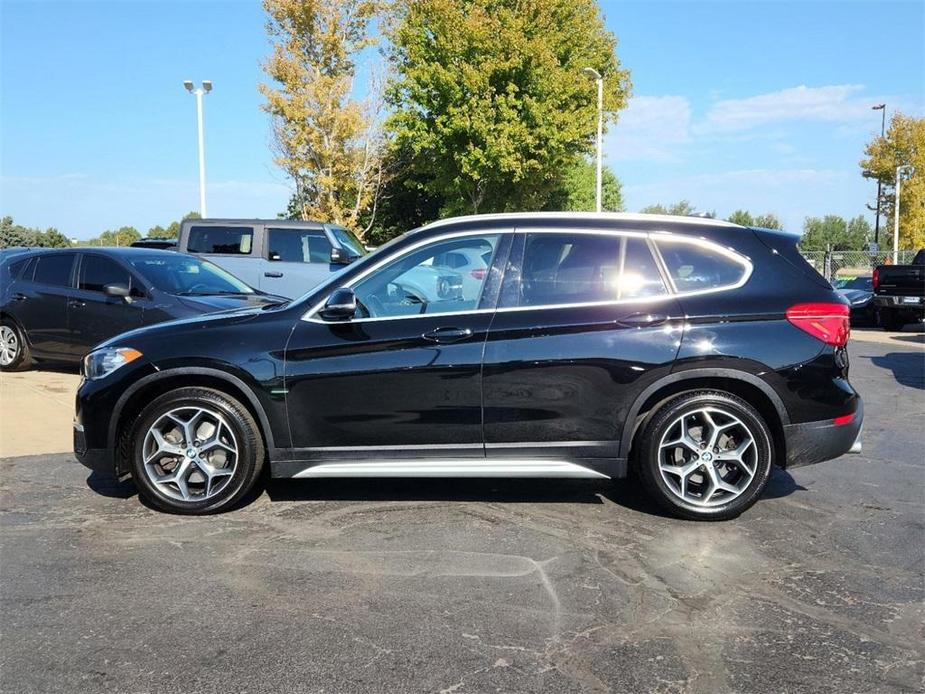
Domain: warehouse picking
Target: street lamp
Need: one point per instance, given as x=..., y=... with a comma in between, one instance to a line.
x=882, y=109
x=600, y=131
x=900, y=170
x=206, y=88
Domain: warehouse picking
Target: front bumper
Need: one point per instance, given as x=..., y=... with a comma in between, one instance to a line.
x=815, y=442
x=99, y=460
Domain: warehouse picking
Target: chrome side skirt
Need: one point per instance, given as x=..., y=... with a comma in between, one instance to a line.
x=463, y=467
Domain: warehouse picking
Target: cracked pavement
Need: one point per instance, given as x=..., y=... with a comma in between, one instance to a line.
x=480, y=585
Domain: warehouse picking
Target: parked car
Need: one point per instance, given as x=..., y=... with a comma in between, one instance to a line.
x=859, y=292
x=56, y=305
x=163, y=244
x=899, y=293
x=283, y=257
x=698, y=352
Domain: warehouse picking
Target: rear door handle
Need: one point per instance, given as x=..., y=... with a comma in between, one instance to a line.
x=76, y=303
x=19, y=297
x=444, y=336
x=642, y=320
x=272, y=274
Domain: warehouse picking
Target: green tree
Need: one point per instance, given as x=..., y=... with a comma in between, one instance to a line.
x=328, y=142
x=821, y=233
x=763, y=221
x=123, y=236
x=490, y=99
x=51, y=238
x=578, y=191
x=903, y=145
x=173, y=229
x=156, y=232
x=682, y=208
x=13, y=235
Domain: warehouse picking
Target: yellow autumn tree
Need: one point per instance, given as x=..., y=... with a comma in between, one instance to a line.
x=903, y=145
x=326, y=140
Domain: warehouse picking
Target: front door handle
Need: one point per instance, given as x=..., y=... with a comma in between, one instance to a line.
x=443, y=336
x=642, y=320
x=272, y=274
x=76, y=303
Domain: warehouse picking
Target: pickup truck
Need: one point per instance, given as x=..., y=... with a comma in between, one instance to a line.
x=281, y=257
x=899, y=293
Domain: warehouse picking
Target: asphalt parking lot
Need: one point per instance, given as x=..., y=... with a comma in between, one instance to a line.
x=477, y=586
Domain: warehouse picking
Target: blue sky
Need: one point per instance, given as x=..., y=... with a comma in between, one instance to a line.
x=736, y=104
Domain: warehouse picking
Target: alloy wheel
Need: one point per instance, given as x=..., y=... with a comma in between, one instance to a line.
x=190, y=453
x=9, y=345
x=707, y=457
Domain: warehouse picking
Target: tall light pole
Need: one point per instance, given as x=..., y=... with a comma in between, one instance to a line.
x=205, y=89
x=882, y=109
x=600, y=133
x=900, y=170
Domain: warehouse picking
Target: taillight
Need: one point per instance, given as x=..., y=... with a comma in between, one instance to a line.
x=876, y=278
x=478, y=274
x=827, y=322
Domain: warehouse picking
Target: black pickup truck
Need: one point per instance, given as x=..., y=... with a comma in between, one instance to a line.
x=899, y=293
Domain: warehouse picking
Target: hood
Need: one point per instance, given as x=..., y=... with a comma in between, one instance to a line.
x=856, y=296
x=228, y=302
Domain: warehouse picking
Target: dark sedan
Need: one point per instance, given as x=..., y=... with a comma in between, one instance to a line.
x=56, y=305
x=859, y=291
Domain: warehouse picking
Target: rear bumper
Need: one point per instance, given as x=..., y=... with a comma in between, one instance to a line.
x=815, y=442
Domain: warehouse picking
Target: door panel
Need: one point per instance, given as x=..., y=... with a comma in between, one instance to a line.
x=585, y=324
x=92, y=315
x=43, y=311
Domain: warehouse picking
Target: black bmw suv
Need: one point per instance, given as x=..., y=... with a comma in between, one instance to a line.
x=696, y=353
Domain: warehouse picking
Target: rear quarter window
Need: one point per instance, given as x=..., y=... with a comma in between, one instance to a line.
x=697, y=267
x=54, y=270
x=221, y=240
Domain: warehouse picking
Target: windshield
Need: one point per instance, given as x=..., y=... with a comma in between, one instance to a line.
x=855, y=283
x=350, y=243
x=184, y=275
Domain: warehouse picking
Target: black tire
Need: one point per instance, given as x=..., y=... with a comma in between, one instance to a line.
x=246, y=436
x=22, y=361
x=658, y=425
x=890, y=320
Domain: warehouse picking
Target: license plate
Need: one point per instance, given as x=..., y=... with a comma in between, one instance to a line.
x=911, y=299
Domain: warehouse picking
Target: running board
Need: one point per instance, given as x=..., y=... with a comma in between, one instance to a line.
x=462, y=467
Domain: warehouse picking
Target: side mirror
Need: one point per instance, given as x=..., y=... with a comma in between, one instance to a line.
x=118, y=290
x=341, y=305
x=340, y=257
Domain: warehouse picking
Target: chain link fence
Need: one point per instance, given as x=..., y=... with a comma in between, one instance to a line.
x=835, y=264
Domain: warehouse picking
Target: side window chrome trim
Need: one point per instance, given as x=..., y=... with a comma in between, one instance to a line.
x=309, y=315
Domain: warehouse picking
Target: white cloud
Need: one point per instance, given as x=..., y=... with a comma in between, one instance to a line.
x=651, y=128
x=828, y=104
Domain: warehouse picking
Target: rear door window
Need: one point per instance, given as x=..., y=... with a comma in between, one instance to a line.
x=697, y=267
x=225, y=240
x=298, y=246
x=569, y=268
x=97, y=271
x=54, y=269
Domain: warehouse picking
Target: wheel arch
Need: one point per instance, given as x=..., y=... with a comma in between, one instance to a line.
x=745, y=385
x=133, y=400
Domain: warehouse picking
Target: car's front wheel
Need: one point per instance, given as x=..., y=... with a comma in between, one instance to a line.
x=196, y=451
x=705, y=455
x=14, y=350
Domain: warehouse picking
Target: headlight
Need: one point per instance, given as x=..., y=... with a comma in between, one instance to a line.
x=862, y=300
x=103, y=362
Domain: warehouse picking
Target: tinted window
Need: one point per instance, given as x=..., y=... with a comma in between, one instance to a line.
x=176, y=273
x=54, y=269
x=586, y=268
x=419, y=282
x=350, y=243
x=298, y=246
x=17, y=267
x=230, y=240
x=694, y=267
x=97, y=271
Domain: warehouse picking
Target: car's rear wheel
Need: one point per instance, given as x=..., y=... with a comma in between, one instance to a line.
x=705, y=455
x=14, y=350
x=196, y=451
